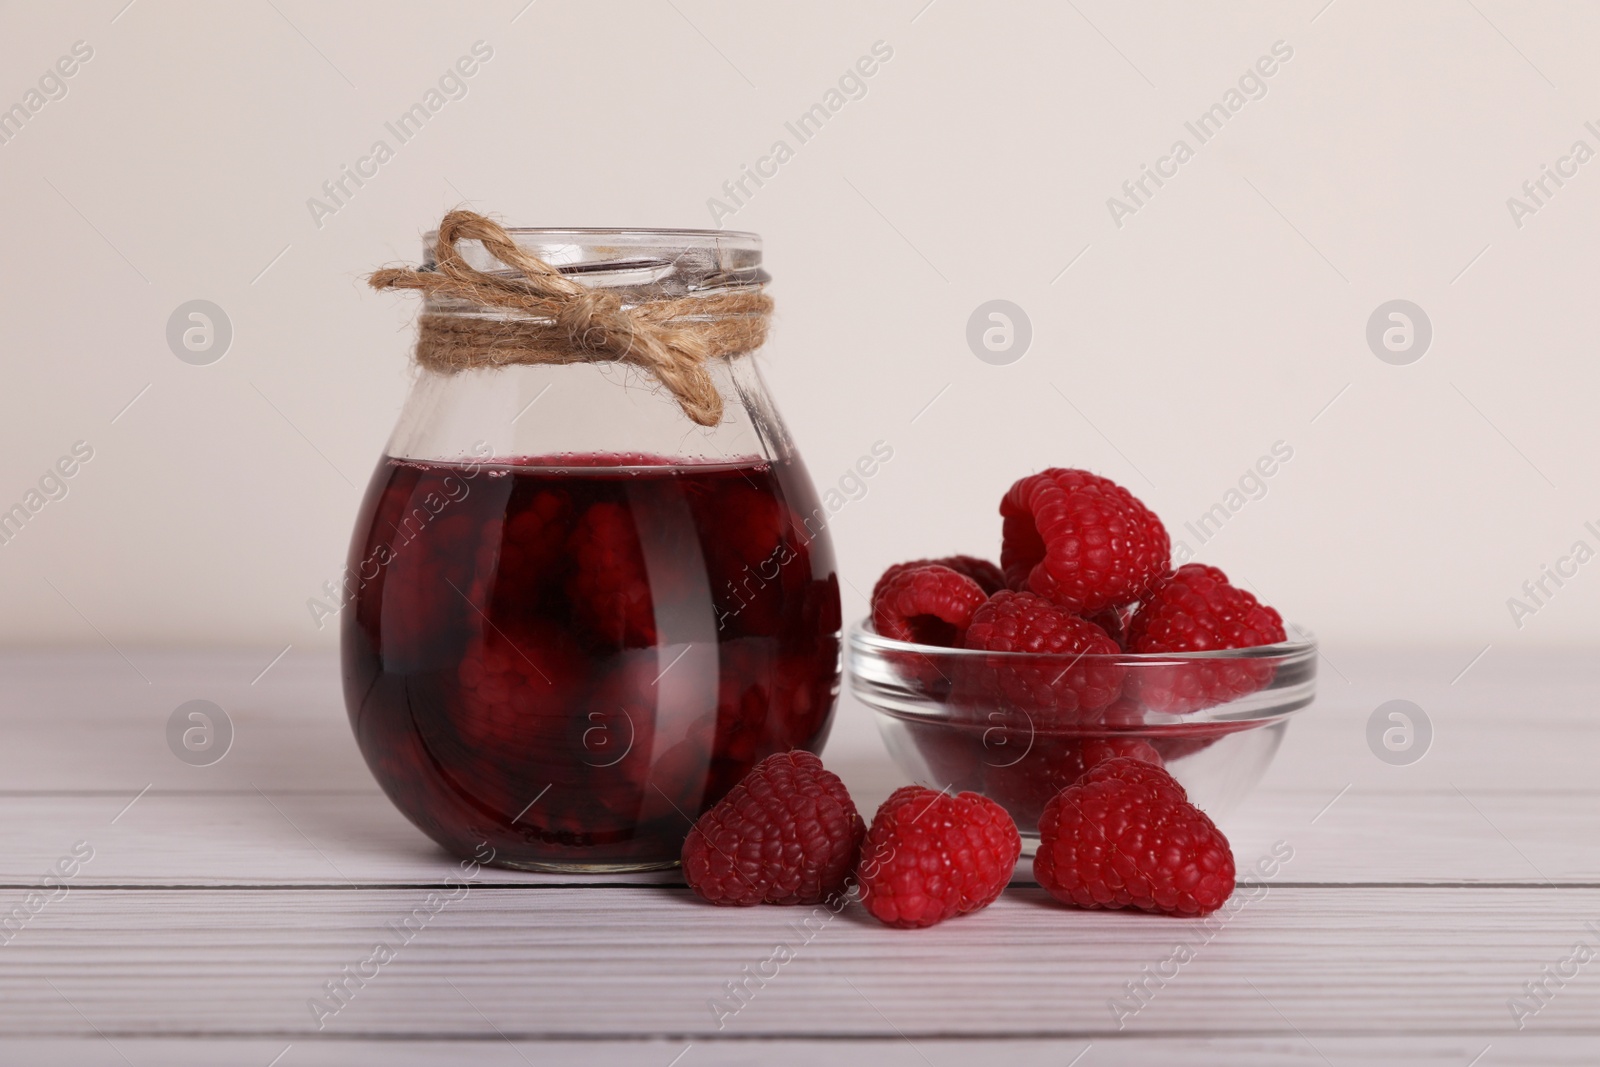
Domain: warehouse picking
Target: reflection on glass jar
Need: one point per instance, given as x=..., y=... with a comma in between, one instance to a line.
x=580, y=615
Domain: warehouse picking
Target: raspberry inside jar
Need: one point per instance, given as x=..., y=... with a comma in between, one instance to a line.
x=568, y=659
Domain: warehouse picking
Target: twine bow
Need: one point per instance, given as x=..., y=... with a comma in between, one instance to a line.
x=556, y=320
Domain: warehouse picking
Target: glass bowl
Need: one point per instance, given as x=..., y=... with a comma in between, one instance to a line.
x=1019, y=726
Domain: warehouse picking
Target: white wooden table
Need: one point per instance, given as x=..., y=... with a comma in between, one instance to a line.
x=1419, y=902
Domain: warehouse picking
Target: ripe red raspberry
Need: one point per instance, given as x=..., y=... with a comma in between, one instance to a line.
x=930, y=856
x=1050, y=764
x=986, y=574
x=929, y=605
x=1022, y=622
x=788, y=833
x=1140, y=772
x=609, y=589
x=1080, y=540
x=1195, y=610
x=1071, y=685
x=1114, y=621
x=1126, y=836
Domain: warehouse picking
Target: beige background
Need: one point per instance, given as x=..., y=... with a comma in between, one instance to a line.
x=1227, y=314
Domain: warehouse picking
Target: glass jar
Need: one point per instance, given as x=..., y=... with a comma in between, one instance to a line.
x=578, y=616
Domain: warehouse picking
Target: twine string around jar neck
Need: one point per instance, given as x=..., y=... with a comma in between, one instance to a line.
x=556, y=320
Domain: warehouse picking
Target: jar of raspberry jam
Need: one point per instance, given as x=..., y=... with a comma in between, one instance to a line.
x=585, y=602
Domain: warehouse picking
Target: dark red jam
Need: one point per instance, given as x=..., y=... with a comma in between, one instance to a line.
x=569, y=660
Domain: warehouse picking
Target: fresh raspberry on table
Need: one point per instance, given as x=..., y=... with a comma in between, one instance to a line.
x=1080, y=540
x=788, y=833
x=929, y=605
x=609, y=589
x=1073, y=684
x=930, y=856
x=1195, y=609
x=986, y=574
x=1126, y=836
x=1142, y=772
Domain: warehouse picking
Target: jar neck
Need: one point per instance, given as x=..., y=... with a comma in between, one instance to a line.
x=659, y=366
x=520, y=412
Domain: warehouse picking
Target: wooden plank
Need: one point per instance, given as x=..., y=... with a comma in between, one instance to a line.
x=643, y=962
x=1384, y=938
x=241, y=839
x=87, y=721
x=891, y=1051
x=253, y=838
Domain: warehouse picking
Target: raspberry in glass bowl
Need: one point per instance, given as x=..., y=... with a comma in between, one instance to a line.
x=1019, y=727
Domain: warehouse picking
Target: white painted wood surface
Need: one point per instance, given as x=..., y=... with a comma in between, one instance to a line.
x=1419, y=902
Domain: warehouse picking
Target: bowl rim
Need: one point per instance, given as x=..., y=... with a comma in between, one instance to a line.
x=863, y=638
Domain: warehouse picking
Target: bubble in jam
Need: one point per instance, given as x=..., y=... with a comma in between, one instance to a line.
x=568, y=660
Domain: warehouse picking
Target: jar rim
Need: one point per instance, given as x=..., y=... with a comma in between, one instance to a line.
x=641, y=263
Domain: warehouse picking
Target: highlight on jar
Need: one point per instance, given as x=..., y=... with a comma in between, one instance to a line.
x=599, y=588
